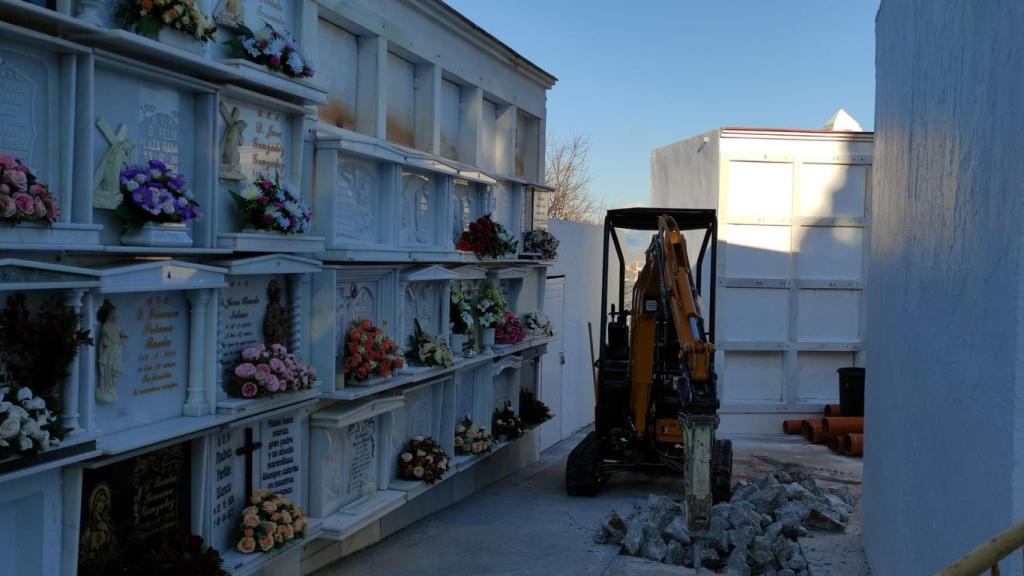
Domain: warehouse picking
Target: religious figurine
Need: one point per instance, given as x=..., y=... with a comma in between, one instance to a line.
x=230, y=142
x=112, y=338
x=230, y=13
x=275, y=321
x=107, y=179
x=98, y=534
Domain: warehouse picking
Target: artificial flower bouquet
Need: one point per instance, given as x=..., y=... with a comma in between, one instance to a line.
x=471, y=438
x=428, y=349
x=369, y=352
x=487, y=238
x=532, y=410
x=276, y=50
x=505, y=423
x=423, y=459
x=267, y=371
x=460, y=313
x=155, y=193
x=271, y=521
x=510, y=330
x=38, y=349
x=270, y=206
x=539, y=324
x=26, y=425
x=541, y=242
x=23, y=198
x=488, y=305
x=149, y=16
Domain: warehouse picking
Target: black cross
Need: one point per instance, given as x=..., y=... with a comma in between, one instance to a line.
x=247, y=449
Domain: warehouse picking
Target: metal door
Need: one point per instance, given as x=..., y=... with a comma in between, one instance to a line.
x=552, y=383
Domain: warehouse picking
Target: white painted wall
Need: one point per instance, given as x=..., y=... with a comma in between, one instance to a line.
x=792, y=214
x=579, y=260
x=944, y=454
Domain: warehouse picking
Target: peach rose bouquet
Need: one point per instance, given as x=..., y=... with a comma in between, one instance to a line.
x=270, y=521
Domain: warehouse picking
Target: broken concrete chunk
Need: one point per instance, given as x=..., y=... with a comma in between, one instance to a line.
x=740, y=538
x=742, y=491
x=676, y=553
x=633, y=539
x=676, y=530
x=824, y=518
x=654, y=549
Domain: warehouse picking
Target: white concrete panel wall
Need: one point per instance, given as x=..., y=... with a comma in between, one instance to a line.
x=944, y=454
x=579, y=260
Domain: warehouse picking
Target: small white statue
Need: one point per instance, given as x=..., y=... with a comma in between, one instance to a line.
x=107, y=179
x=112, y=338
x=230, y=142
x=230, y=13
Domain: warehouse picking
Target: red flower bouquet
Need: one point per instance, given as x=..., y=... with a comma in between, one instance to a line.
x=369, y=352
x=487, y=238
x=510, y=330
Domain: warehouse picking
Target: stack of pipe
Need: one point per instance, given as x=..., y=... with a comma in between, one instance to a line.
x=842, y=434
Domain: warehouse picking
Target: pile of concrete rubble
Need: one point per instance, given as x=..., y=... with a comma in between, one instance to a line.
x=755, y=533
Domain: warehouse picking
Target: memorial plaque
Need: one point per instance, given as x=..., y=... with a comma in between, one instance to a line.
x=466, y=206
x=281, y=456
x=360, y=444
x=242, y=307
x=422, y=303
x=501, y=388
x=135, y=498
x=25, y=81
x=158, y=127
x=154, y=378
x=416, y=199
x=227, y=485
x=421, y=412
x=264, y=141
x=278, y=13
x=356, y=301
x=354, y=213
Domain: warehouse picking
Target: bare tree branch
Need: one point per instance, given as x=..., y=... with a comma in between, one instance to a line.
x=567, y=170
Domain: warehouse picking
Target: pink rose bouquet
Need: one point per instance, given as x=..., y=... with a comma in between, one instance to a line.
x=23, y=198
x=267, y=371
x=270, y=521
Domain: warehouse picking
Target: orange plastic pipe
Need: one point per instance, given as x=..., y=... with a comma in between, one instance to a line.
x=792, y=426
x=843, y=425
x=812, y=431
x=853, y=444
x=834, y=443
x=832, y=410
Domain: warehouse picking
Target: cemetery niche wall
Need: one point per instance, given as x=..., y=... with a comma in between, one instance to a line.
x=209, y=221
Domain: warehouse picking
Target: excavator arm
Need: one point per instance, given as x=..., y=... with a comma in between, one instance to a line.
x=665, y=291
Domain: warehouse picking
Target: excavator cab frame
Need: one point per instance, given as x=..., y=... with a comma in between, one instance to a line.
x=651, y=399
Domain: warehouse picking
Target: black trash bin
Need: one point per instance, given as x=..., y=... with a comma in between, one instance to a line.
x=851, y=391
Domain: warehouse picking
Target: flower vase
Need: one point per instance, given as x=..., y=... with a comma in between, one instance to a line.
x=158, y=235
x=457, y=342
x=179, y=39
x=487, y=340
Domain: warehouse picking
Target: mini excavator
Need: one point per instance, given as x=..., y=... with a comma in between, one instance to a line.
x=656, y=396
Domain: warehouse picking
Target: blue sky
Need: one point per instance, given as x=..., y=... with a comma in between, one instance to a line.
x=638, y=75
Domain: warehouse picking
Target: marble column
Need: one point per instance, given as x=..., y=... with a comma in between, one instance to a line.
x=195, y=402
x=69, y=395
x=298, y=285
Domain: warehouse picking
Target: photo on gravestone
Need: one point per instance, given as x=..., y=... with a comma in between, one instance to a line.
x=133, y=499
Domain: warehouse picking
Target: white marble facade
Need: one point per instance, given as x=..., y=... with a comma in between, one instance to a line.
x=393, y=175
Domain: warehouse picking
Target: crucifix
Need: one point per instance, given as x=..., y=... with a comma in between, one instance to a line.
x=247, y=450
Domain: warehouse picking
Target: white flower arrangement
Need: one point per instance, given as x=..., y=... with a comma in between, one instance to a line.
x=26, y=426
x=489, y=305
x=537, y=323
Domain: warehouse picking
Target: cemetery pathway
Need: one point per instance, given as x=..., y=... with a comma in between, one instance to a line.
x=527, y=525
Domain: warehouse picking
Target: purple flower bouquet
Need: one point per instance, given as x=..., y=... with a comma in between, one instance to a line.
x=154, y=193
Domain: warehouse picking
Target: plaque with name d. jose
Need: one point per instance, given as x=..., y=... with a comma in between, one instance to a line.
x=135, y=498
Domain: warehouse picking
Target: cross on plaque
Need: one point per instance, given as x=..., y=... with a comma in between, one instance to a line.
x=247, y=450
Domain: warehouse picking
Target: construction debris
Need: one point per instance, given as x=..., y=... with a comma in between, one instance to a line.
x=755, y=533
